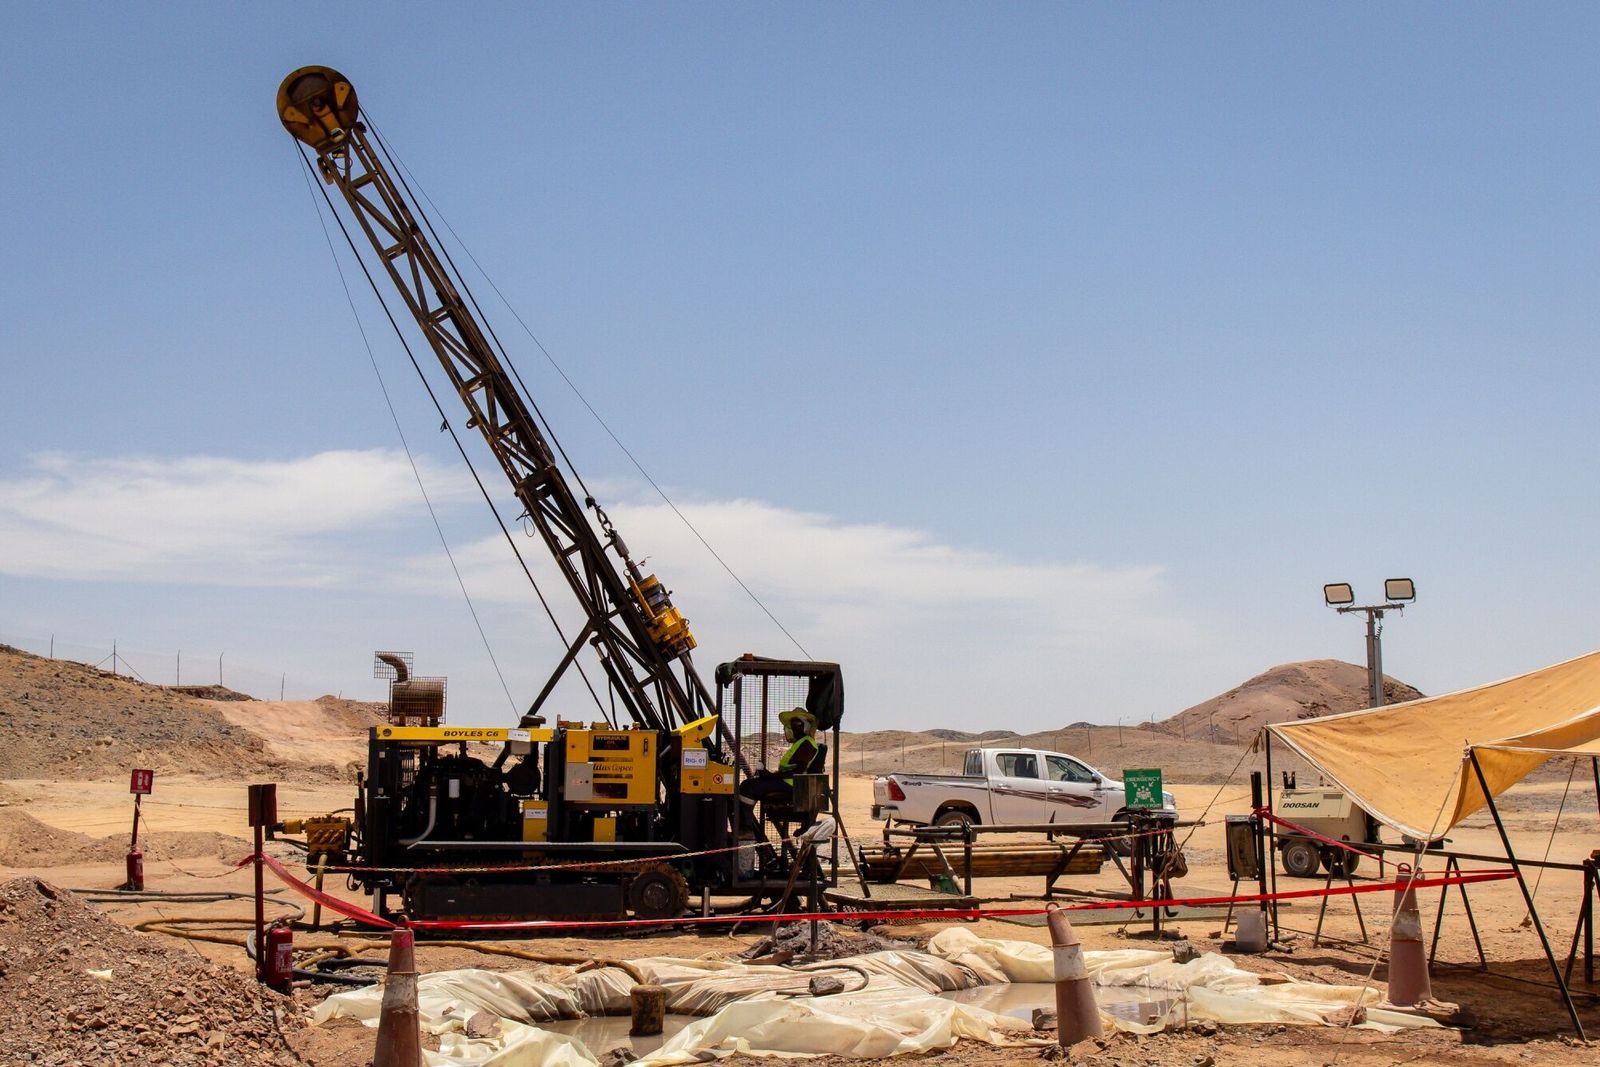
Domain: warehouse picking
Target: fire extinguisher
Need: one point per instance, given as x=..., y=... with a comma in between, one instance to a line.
x=279, y=958
x=136, y=871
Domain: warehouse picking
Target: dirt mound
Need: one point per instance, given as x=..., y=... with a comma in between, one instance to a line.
x=791, y=942
x=69, y=721
x=209, y=692
x=1287, y=692
x=328, y=731
x=151, y=1002
x=26, y=842
x=962, y=735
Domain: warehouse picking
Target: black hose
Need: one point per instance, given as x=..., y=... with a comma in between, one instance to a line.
x=333, y=979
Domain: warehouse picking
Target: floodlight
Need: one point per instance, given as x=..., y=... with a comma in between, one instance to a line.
x=1399, y=589
x=1337, y=593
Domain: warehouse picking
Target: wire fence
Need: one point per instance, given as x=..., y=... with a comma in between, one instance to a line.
x=176, y=668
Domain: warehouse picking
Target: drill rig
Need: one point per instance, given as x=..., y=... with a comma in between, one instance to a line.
x=568, y=818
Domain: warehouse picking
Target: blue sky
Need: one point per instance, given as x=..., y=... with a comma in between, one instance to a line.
x=1037, y=362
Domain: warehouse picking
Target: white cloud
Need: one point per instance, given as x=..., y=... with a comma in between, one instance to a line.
x=925, y=628
x=929, y=632
x=203, y=518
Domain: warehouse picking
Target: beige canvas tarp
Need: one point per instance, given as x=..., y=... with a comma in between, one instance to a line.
x=1407, y=763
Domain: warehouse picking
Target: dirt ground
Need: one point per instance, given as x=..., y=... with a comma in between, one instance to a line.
x=65, y=814
x=1512, y=1020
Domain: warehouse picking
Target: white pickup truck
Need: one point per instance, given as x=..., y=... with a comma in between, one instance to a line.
x=1005, y=786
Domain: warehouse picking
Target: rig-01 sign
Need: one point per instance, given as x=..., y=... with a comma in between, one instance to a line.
x=1142, y=788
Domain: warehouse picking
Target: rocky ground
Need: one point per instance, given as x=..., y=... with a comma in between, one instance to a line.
x=66, y=720
x=76, y=987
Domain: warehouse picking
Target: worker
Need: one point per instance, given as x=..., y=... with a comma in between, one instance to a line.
x=803, y=756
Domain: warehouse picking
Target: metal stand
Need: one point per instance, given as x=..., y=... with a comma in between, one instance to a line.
x=1322, y=909
x=1527, y=897
x=1453, y=866
x=1585, y=926
x=1263, y=845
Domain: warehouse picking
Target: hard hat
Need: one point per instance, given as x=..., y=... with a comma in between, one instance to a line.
x=786, y=717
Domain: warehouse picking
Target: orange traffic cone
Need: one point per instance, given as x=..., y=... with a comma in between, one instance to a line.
x=1077, y=1015
x=399, y=1029
x=1409, y=985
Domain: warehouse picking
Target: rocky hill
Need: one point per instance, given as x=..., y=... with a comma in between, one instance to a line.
x=1290, y=691
x=66, y=720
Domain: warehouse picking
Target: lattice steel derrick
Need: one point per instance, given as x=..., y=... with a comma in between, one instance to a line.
x=319, y=108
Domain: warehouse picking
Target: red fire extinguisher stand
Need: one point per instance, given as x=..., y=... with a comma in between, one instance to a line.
x=140, y=783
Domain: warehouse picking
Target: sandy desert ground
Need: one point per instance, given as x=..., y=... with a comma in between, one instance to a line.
x=51, y=828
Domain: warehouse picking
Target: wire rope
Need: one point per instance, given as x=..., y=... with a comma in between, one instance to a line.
x=394, y=416
x=403, y=171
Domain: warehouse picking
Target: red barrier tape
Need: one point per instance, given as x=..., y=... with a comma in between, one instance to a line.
x=1304, y=832
x=361, y=915
x=332, y=903
x=956, y=913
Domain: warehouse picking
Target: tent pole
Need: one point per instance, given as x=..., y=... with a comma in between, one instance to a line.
x=1594, y=764
x=1555, y=968
x=1272, y=840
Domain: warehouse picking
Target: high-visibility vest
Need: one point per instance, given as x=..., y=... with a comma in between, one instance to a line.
x=791, y=761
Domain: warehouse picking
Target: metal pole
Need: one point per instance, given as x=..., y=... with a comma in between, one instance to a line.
x=281, y=679
x=113, y=656
x=1263, y=854
x=261, y=911
x=1272, y=838
x=1374, y=658
x=219, y=667
x=1527, y=897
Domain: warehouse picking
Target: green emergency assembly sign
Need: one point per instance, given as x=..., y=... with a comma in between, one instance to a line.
x=1143, y=788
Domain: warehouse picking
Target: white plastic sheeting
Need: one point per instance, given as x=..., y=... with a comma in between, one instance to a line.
x=1210, y=987
x=892, y=1007
x=749, y=1008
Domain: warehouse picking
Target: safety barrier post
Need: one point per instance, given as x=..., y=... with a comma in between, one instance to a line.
x=1077, y=1015
x=263, y=812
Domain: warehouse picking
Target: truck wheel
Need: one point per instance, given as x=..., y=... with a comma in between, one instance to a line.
x=955, y=817
x=1122, y=846
x=1300, y=859
x=1339, y=863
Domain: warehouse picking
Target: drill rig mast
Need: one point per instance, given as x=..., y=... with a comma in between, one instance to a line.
x=642, y=641
x=615, y=818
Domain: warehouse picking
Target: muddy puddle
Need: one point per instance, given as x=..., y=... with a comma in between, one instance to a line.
x=602, y=1033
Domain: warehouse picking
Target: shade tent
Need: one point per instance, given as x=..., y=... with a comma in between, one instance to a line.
x=1408, y=764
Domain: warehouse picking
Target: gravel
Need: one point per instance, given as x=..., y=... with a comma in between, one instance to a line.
x=76, y=987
